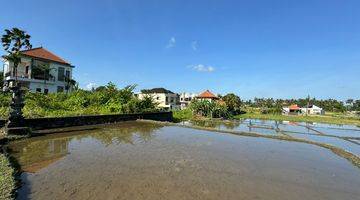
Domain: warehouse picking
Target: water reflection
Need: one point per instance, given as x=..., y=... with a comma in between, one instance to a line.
x=138, y=160
x=342, y=136
x=36, y=153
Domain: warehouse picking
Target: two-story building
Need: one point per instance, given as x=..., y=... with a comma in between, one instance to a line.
x=186, y=98
x=165, y=99
x=40, y=71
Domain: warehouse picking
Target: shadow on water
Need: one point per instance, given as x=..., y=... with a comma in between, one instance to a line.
x=33, y=154
x=36, y=153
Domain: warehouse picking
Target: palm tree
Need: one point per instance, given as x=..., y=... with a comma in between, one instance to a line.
x=14, y=41
x=70, y=83
x=45, y=69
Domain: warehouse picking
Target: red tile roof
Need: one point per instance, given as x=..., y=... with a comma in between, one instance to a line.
x=207, y=95
x=43, y=53
x=294, y=107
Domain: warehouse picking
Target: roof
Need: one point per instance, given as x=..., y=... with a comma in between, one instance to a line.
x=294, y=107
x=207, y=95
x=156, y=90
x=43, y=53
x=314, y=107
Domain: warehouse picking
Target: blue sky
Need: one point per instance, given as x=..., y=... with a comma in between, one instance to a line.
x=280, y=49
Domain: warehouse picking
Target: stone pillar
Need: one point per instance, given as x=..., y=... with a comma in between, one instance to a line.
x=15, y=124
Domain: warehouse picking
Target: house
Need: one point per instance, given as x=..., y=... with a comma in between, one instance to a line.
x=207, y=95
x=292, y=110
x=165, y=99
x=40, y=71
x=295, y=110
x=313, y=110
x=186, y=98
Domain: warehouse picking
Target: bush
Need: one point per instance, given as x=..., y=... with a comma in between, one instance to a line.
x=209, y=108
x=182, y=115
x=107, y=100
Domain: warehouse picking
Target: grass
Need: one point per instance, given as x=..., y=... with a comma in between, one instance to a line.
x=329, y=119
x=7, y=181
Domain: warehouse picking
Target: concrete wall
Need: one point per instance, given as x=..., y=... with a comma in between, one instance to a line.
x=60, y=122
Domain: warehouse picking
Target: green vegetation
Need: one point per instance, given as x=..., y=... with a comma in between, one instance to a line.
x=209, y=109
x=182, y=115
x=231, y=106
x=233, y=103
x=14, y=41
x=7, y=181
x=103, y=100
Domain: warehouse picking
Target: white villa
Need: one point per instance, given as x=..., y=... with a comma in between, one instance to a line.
x=166, y=99
x=31, y=75
x=185, y=99
x=296, y=110
x=313, y=110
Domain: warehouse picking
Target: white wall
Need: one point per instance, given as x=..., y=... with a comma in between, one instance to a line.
x=160, y=98
x=51, y=85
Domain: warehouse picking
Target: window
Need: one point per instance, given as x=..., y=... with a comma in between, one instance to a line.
x=67, y=74
x=60, y=89
x=46, y=91
x=27, y=70
x=157, y=98
x=38, y=90
x=167, y=100
x=61, y=72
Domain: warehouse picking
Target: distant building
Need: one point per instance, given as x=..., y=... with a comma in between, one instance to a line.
x=207, y=95
x=36, y=79
x=292, y=110
x=186, y=98
x=313, y=110
x=166, y=99
x=296, y=110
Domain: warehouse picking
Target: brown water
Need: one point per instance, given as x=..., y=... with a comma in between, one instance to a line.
x=141, y=160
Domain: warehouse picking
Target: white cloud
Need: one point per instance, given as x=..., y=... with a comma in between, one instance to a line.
x=194, y=45
x=90, y=86
x=202, y=68
x=171, y=43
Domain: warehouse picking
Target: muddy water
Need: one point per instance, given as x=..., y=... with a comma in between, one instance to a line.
x=139, y=160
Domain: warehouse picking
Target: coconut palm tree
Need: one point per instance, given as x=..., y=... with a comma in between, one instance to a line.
x=14, y=41
x=45, y=69
x=70, y=83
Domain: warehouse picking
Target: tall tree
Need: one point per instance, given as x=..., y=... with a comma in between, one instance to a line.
x=14, y=41
x=45, y=70
x=233, y=103
x=70, y=84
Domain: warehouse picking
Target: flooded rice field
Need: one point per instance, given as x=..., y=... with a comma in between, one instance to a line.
x=346, y=137
x=144, y=160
